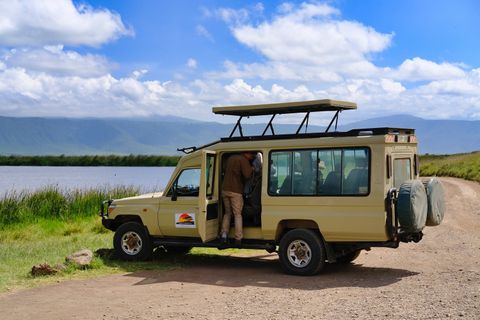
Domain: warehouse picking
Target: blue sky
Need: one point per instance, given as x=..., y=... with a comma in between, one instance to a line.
x=141, y=58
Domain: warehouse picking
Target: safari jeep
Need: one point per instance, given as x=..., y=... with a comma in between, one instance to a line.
x=319, y=197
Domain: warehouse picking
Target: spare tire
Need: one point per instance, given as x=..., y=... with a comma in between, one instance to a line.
x=412, y=206
x=436, y=201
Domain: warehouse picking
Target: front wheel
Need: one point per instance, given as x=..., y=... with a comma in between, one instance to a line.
x=132, y=242
x=302, y=252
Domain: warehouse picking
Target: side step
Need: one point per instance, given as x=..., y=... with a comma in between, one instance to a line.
x=195, y=242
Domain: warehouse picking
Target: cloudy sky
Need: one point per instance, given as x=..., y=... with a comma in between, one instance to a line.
x=125, y=58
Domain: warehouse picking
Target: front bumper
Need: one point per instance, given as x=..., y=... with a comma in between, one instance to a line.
x=106, y=222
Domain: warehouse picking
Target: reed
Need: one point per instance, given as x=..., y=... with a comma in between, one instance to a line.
x=53, y=203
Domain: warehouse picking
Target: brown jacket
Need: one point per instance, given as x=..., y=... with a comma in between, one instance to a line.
x=237, y=171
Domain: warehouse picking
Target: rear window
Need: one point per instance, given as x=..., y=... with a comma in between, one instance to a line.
x=401, y=171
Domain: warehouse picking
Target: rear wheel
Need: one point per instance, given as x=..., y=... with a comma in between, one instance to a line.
x=132, y=242
x=302, y=252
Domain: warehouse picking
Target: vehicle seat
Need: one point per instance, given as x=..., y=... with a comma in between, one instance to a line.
x=357, y=179
x=332, y=184
x=252, y=203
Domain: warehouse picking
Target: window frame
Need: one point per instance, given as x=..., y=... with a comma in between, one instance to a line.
x=341, y=166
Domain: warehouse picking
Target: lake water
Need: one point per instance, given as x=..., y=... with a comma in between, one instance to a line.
x=32, y=178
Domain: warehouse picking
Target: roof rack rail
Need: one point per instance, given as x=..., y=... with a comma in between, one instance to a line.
x=275, y=109
x=350, y=133
x=188, y=150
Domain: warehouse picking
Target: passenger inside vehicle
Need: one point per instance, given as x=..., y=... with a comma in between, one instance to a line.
x=357, y=179
x=252, y=207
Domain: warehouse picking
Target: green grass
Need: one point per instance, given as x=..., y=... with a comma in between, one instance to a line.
x=50, y=224
x=50, y=241
x=465, y=166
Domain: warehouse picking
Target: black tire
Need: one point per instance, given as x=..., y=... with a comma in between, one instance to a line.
x=412, y=206
x=132, y=242
x=177, y=249
x=436, y=201
x=349, y=257
x=302, y=252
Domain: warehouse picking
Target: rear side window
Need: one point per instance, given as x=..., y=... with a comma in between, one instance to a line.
x=328, y=172
x=401, y=171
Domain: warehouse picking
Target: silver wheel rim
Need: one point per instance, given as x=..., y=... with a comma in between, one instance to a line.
x=131, y=243
x=299, y=253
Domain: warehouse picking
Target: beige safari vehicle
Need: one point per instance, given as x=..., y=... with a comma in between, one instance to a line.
x=316, y=198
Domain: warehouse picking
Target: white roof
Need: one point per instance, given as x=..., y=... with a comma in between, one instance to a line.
x=285, y=107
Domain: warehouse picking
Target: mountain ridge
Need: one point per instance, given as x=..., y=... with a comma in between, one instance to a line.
x=163, y=135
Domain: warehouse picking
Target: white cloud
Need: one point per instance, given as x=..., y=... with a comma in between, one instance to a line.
x=203, y=32
x=39, y=23
x=306, y=42
x=421, y=69
x=23, y=93
x=56, y=61
x=192, y=63
x=307, y=52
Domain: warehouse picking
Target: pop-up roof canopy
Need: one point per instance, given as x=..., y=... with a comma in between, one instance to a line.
x=275, y=109
x=285, y=107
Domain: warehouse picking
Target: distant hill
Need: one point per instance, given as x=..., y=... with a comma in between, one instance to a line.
x=434, y=136
x=163, y=135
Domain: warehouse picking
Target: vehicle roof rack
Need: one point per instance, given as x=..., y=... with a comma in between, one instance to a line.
x=350, y=133
x=275, y=109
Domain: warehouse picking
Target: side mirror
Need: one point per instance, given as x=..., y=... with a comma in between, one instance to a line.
x=174, y=193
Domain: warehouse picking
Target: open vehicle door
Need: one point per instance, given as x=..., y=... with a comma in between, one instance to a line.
x=208, y=198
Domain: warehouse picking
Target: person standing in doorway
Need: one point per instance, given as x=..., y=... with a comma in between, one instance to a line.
x=237, y=171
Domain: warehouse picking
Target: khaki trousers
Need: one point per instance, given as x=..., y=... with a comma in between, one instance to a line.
x=233, y=203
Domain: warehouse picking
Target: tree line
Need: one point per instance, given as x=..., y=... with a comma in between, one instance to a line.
x=91, y=160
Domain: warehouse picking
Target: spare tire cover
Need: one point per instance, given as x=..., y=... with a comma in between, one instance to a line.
x=412, y=206
x=436, y=201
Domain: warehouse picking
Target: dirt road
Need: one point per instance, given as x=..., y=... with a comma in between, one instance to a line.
x=437, y=278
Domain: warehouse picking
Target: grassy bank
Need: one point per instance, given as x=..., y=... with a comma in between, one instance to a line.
x=91, y=161
x=47, y=225
x=50, y=241
x=51, y=203
x=465, y=166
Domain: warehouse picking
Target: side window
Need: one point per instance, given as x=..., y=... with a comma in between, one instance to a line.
x=328, y=172
x=280, y=179
x=330, y=177
x=355, y=171
x=304, y=172
x=401, y=171
x=187, y=183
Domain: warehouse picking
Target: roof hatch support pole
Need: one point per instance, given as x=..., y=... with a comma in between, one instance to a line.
x=335, y=118
x=269, y=125
x=239, y=126
x=303, y=121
